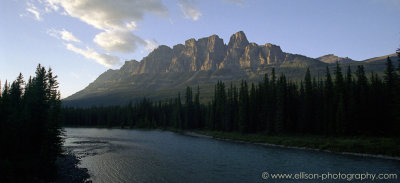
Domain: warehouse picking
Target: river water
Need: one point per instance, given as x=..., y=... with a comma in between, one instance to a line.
x=117, y=155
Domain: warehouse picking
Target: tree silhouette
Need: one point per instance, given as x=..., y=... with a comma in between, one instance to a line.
x=30, y=128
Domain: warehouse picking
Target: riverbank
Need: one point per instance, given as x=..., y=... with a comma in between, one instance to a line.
x=68, y=170
x=378, y=147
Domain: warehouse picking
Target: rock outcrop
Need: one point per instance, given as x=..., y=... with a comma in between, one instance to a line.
x=207, y=54
x=203, y=62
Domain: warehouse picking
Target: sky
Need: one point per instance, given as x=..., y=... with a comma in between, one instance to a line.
x=80, y=39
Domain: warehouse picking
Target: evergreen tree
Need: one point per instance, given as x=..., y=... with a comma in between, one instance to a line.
x=243, y=107
x=361, y=98
x=189, y=108
x=375, y=108
x=398, y=59
x=390, y=74
x=339, y=100
x=281, y=114
x=336, y=105
x=33, y=110
x=265, y=113
x=197, y=116
x=177, y=112
x=329, y=118
x=253, y=109
x=348, y=99
x=220, y=101
x=271, y=104
x=391, y=83
x=309, y=112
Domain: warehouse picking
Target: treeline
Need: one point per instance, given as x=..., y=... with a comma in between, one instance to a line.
x=340, y=104
x=30, y=129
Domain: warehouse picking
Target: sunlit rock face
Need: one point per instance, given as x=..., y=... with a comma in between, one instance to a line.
x=203, y=62
x=205, y=54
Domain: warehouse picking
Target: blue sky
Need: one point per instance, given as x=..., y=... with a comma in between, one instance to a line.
x=80, y=39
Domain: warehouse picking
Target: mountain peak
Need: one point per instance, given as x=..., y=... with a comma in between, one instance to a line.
x=331, y=58
x=238, y=40
x=190, y=42
x=167, y=71
x=239, y=33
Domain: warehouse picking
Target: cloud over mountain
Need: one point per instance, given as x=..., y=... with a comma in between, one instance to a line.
x=63, y=34
x=116, y=18
x=110, y=15
x=89, y=53
x=117, y=21
x=31, y=9
x=189, y=9
x=118, y=41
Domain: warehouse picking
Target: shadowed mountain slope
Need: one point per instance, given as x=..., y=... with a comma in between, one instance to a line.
x=167, y=71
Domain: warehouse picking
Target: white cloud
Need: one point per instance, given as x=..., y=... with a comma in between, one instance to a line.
x=89, y=53
x=34, y=11
x=131, y=25
x=49, y=6
x=189, y=10
x=116, y=18
x=118, y=40
x=68, y=36
x=63, y=34
x=110, y=15
x=150, y=45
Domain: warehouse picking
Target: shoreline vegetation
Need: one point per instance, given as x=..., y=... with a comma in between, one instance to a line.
x=349, y=113
x=376, y=147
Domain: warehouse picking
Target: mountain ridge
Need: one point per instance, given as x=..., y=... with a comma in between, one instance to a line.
x=166, y=71
x=209, y=53
x=331, y=58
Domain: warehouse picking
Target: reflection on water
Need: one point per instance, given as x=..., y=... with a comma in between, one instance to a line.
x=114, y=155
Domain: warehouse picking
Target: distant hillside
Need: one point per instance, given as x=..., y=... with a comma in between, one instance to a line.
x=331, y=58
x=167, y=71
x=383, y=59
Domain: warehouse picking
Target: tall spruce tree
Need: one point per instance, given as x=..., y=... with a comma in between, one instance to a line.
x=309, y=112
x=339, y=100
x=398, y=59
x=390, y=74
x=329, y=118
x=30, y=123
x=361, y=98
x=391, y=82
x=243, y=107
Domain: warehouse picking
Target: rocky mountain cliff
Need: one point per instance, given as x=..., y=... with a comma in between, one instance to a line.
x=207, y=54
x=167, y=71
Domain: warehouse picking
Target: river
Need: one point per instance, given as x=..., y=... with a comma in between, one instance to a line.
x=119, y=155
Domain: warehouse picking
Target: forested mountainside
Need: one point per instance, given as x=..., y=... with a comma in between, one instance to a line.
x=203, y=62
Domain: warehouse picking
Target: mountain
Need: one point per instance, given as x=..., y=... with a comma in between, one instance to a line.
x=167, y=71
x=381, y=59
x=331, y=58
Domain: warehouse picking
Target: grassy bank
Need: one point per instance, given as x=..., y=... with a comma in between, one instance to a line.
x=366, y=145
